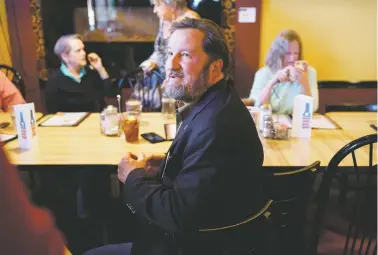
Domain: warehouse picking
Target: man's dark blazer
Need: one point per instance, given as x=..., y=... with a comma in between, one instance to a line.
x=211, y=178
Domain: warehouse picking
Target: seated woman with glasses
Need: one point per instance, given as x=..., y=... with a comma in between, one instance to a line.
x=284, y=76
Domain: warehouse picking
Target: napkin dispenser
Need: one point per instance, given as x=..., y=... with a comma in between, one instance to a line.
x=302, y=116
x=26, y=124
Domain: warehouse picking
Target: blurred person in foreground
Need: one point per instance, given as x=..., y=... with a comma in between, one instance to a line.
x=25, y=229
x=76, y=86
x=214, y=160
x=281, y=79
x=9, y=94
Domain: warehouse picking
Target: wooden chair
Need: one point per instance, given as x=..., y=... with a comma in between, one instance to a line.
x=250, y=236
x=359, y=212
x=291, y=192
x=15, y=77
x=140, y=89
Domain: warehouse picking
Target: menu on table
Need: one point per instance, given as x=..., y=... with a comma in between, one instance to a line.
x=318, y=121
x=65, y=119
x=7, y=137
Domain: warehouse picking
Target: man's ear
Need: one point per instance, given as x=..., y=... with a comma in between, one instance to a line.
x=216, y=67
x=220, y=65
x=215, y=71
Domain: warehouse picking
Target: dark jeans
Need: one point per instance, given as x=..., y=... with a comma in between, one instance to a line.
x=112, y=249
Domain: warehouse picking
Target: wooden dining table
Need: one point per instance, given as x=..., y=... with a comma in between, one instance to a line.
x=85, y=145
x=359, y=122
x=324, y=143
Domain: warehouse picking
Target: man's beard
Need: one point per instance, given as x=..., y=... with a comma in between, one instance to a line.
x=187, y=91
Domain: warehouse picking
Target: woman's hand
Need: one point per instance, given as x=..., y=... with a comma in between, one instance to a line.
x=148, y=69
x=285, y=74
x=96, y=62
x=302, y=76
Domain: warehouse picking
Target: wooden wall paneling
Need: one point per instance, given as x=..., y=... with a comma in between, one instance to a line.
x=247, y=48
x=334, y=96
x=23, y=47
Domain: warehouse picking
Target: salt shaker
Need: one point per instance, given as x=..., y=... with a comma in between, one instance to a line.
x=265, y=110
x=268, y=129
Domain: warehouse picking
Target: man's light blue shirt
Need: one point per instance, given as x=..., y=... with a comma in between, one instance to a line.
x=282, y=97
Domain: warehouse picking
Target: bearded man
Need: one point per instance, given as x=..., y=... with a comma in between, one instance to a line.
x=209, y=182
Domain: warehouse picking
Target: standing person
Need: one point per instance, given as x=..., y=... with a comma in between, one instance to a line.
x=214, y=161
x=168, y=11
x=25, y=229
x=279, y=81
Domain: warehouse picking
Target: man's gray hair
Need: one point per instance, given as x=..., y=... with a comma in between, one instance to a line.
x=63, y=45
x=179, y=4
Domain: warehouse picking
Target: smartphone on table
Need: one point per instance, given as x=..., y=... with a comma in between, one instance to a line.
x=153, y=137
x=170, y=133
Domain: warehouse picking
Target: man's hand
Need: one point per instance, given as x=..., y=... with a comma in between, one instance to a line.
x=128, y=163
x=153, y=162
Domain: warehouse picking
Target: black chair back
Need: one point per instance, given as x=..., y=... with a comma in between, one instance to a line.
x=291, y=192
x=145, y=88
x=250, y=236
x=360, y=208
x=14, y=77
